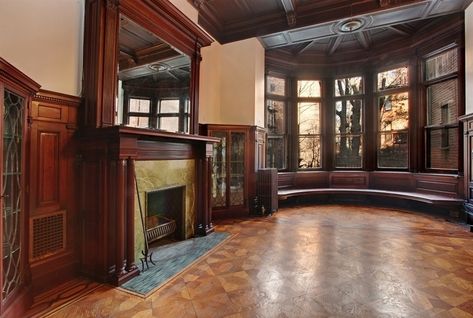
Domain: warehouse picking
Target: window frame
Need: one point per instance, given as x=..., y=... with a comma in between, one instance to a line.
x=287, y=124
x=379, y=93
x=426, y=127
x=335, y=99
x=296, y=139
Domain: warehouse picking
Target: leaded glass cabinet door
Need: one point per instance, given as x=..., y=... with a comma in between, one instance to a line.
x=219, y=170
x=12, y=110
x=237, y=169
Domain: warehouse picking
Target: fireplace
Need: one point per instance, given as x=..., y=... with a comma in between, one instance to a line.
x=165, y=213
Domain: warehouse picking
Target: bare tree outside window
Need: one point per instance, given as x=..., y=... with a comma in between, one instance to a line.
x=348, y=122
x=309, y=124
x=309, y=135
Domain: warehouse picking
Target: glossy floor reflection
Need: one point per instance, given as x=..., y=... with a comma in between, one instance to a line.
x=315, y=261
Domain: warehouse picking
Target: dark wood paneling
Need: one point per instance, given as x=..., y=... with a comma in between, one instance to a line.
x=445, y=185
x=349, y=179
x=53, y=182
x=48, y=150
x=286, y=179
x=392, y=181
x=49, y=112
x=313, y=179
x=149, y=150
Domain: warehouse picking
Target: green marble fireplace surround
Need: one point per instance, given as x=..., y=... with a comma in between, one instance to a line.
x=156, y=174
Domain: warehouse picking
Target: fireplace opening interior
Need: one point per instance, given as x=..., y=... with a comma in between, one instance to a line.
x=165, y=214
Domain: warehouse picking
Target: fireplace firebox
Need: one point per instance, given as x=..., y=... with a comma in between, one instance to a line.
x=165, y=208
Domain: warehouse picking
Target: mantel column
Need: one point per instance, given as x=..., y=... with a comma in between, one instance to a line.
x=204, y=173
x=130, y=216
x=120, y=223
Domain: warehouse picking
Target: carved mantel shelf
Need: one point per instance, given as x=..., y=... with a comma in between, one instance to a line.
x=153, y=134
x=124, y=142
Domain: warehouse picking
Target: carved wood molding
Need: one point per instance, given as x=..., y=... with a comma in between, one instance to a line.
x=13, y=75
x=57, y=98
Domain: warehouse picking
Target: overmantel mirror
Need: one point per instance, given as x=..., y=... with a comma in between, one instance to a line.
x=154, y=81
x=153, y=49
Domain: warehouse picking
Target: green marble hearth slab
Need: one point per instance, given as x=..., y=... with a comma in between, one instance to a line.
x=171, y=259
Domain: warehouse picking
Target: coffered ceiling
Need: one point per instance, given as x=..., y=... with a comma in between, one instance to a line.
x=319, y=24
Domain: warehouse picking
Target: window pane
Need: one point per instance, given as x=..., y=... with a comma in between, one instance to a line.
x=187, y=105
x=348, y=116
x=275, y=85
x=139, y=105
x=275, y=117
x=349, y=86
x=442, y=103
x=308, y=88
x=393, y=150
x=141, y=122
x=348, y=150
x=275, y=156
x=442, y=64
x=309, y=152
x=443, y=148
x=393, y=78
x=309, y=118
x=394, y=112
x=169, y=123
x=169, y=106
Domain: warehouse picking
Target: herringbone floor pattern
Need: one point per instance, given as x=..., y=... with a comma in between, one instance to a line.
x=315, y=261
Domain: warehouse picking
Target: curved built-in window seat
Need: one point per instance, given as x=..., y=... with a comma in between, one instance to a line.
x=444, y=192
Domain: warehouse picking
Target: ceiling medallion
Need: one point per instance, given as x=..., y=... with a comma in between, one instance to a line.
x=159, y=67
x=351, y=25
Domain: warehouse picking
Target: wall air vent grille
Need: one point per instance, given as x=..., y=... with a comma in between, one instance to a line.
x=48, y=235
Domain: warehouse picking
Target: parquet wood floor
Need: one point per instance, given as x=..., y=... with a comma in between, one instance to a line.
x=315, y=261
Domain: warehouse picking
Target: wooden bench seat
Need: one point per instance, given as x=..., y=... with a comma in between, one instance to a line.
x=428, y=198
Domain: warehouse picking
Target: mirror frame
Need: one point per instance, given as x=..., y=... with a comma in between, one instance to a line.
x=101, y=52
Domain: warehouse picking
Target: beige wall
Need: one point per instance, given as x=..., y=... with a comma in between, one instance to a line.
x=232, y=83
x=209, y=92
x=231, y=79
x=44, y=40
x=469, y=59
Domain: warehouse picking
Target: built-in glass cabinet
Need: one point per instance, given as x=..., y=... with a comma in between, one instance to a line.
x=228, y=188
x=235, y=159
x=16, y=91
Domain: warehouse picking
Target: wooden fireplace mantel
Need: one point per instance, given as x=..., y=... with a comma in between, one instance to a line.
x=107, y=164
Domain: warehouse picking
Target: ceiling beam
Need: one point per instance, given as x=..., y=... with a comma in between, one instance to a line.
x=242, y=4
x=400, y=30
x=305, y=47
x=364, y=39
x=334, y=44
x=288, y=6
x=432, y=5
